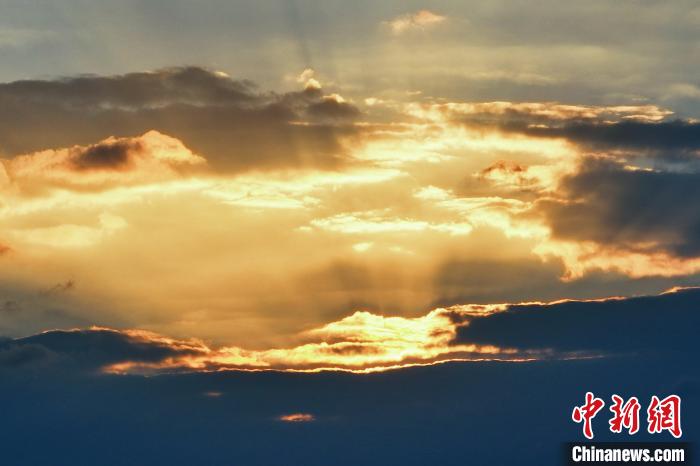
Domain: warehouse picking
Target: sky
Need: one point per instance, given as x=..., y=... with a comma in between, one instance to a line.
x=274, y=200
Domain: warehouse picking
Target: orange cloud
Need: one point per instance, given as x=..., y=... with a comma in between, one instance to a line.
x=113, y=161
x=361, y=342
x=546, y=110
x=378, y=222
x=583, y=257
x=297, y=417
x=420, y=20
x=421, y=184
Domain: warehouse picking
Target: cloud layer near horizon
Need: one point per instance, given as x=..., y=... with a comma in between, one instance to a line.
x=654, y=326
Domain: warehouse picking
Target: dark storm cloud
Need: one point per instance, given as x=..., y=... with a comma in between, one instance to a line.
x=133, y=90
x=608, y=204
x=229, y=122
x=653, y=324
x=87, y=349
x=638, y=174
x=638, y=131
x=659, y=136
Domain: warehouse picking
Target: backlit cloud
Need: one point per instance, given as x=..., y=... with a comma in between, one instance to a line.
x=227, y=121
x=112, y=162
x=362, y=342
x=305, y=202
x=360, y=233
x=297, y=417
x=420, y=20
x=366, y=342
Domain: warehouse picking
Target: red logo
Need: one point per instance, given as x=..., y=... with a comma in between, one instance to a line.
x=625, y=415
x=587, y=412
x=665, y=415
x=661, y=415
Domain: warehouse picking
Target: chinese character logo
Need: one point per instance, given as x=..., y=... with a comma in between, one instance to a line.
x=665, y=415
x=625, y=415
x=662, y=415
x=587, y=412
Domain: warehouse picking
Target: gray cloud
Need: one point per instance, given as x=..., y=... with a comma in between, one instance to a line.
x=333, y=110
x=22, y=356
x=663, y=323
x=107, y=155
x=86, y=349
x=636, y=135
x=187, y=85
x=227, y=121
x=635, y=182
x=641, y=130
x=608, y=204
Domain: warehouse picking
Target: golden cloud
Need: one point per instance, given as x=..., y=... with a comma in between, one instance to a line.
x=583, y=257
x=361, y=342
x=297, y=417
x=111, y=162
x=420, y=20
x=545, y=110
x=423, y=183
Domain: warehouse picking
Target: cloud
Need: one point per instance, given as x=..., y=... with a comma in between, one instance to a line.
x=332, y=107
x=378, y=222
x=112, y=162
x=297, y=417
x=20, y=356
x=184, y=85
x=422, y=415
x=652, y=325
x=420, y=20
x=509, y=174
x=536, y=114
x=361, y=342
x=228, y=122
x=367, y=342
x=609, y=204
x=617, y=202
x=412, y=189
x=93, y=348
x=643, y=212
x=645, y=136
x=307, y=79
x=633, y=131
x=492, y=211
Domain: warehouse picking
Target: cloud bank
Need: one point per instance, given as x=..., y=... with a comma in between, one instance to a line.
x=365, y=342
